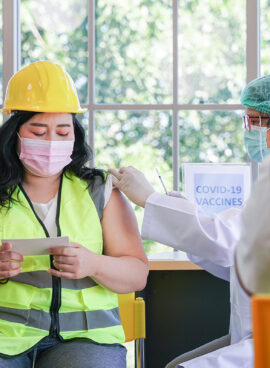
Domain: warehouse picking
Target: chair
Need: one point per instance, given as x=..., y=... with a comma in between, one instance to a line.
x=261, y=329
x=132, y=313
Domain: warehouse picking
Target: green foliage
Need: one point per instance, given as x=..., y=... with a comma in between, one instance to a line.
x=56, y=40
x=265, y=37
x=134, y=52
x=212, y=51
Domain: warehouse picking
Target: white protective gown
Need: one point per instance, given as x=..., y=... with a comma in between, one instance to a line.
x=210, y=242
x=252, y=251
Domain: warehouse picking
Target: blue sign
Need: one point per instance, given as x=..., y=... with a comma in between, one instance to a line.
x=217, y=192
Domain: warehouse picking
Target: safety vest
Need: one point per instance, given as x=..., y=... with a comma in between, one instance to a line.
x=34, y=304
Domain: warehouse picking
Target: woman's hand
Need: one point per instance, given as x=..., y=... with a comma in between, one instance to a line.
x=9, y=261
x=74, y=262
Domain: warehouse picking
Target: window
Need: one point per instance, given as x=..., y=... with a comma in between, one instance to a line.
x=161, y=79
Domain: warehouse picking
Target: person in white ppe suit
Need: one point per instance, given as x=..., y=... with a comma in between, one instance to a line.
x=209, y=241
x=252, y=256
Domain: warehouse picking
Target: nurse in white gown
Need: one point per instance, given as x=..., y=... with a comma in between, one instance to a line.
x=209, y=241
x=252, y=251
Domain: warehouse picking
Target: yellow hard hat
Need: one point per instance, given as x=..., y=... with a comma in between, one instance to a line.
x=43, y=87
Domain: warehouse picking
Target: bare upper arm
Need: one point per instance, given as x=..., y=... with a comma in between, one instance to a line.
x=120, y=230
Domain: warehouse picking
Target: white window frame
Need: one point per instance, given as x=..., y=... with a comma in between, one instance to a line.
x=12, y=57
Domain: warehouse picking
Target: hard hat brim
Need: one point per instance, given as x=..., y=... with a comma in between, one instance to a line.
x=7, y=110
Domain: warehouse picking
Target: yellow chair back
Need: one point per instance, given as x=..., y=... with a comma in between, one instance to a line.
x=132, y=313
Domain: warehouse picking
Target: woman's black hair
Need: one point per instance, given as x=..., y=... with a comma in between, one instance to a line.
x=11, y=168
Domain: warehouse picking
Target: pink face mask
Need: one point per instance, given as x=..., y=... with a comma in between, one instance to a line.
x=45, y=158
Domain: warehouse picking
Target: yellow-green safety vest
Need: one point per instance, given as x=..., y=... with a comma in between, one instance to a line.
x=34, y=304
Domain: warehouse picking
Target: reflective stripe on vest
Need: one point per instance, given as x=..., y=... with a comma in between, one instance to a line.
x=33, y=302
x=42, y=279
x=73, y=321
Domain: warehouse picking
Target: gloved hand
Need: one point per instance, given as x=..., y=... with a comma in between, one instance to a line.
x=133, y=184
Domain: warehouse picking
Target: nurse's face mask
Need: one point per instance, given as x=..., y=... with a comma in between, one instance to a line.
x=255, y=136
x=44, y=157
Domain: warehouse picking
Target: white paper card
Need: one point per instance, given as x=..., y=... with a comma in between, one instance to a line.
x=37, y=246
x=217, y=187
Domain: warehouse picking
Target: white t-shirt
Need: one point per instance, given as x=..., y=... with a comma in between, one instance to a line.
x=47, y=211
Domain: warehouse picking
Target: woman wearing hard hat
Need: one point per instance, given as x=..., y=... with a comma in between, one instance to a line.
x=60, y=310
x=210, y=241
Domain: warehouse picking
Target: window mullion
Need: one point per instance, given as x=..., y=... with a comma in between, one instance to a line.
x=175, y=132
x=11, y=40
x=91, y=76
x=253, y=52
x=253, y=39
